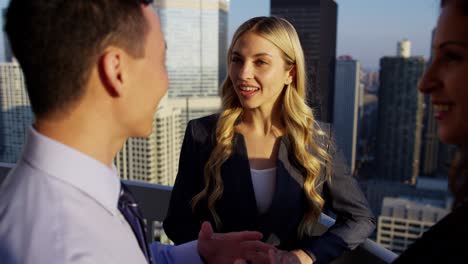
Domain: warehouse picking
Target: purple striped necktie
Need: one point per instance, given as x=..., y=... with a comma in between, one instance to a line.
x=129, y=208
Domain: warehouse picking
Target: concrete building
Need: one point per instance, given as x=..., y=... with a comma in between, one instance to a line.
x=15, y=112
x=8, y=55
x=223, y=40
x=403, y=221
x=400, y=118
x=377, y=190
x=194, y=107
x=347, y=94
x=196, y=34
x=154, y=159
x=316, y=23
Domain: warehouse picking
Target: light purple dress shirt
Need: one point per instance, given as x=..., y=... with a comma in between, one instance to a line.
x=59, y=205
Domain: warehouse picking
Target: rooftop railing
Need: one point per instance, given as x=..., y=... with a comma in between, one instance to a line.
x=154, y=200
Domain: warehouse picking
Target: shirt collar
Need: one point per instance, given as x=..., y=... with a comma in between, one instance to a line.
x=85, y=173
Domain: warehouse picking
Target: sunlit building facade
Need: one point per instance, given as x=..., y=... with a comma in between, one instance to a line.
x=15, y=112
x=154, y=159
x=196, y=37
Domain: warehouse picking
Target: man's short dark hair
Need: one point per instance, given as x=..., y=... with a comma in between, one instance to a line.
x=56, y=43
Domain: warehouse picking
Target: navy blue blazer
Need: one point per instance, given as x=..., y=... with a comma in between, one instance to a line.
x=237, y=207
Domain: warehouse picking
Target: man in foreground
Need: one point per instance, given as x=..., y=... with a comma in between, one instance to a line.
x=95, y=74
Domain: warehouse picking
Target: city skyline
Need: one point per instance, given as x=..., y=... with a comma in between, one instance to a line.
x=360, y=23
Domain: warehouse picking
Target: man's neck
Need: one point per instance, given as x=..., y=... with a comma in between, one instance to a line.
x=92, y=140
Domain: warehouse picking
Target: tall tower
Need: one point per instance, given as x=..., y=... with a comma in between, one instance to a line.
x=403, y=221
x=345, y=120
x=223, y=40
x=15, y=112
x=316, y=23
x=8, y=56
x=154, y=159
x=196, y=36
x=400, y=119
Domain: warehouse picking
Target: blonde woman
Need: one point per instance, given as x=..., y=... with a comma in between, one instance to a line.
x=264, y=163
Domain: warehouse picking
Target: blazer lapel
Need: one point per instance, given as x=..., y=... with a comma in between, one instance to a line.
x=238, y=197
x=289, y=196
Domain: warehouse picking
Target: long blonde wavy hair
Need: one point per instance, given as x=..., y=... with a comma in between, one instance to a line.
x=300, y=125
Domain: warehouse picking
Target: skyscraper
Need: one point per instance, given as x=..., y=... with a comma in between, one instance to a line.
x=345, y=120
x=6, y=43
x=400, y=117
x=316, y=23
x=403, y=221
x=192, y=108
x=196, y=36
x=154, y=159
x=15, y=112
x=223, y=40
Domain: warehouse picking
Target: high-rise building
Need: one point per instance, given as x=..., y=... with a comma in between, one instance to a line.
x=316, y=23
x=345, y=120
x=154, y=159
x=424, y=191
x=15, y=112
x=403, y=221
x=194, y=107
x=430, y=141
x=223, y=40
x=8, y=56
x=196, y=36
x=400, y=118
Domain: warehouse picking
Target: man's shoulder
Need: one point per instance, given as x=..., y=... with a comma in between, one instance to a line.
x=28, y=213
x=29, y=196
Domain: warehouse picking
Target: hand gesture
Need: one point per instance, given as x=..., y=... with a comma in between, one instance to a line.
x=225, y=248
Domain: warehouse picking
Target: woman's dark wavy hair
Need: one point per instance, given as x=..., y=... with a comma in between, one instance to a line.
x=458, y=173
x=461, y=5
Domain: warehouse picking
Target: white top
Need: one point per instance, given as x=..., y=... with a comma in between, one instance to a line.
x=60, y=206
x=264, y=186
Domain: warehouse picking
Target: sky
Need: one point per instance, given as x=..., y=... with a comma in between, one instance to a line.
x=367, y=29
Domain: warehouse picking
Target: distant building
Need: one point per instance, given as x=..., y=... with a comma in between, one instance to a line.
x=196, y=107
x=403, y=221
x=404, y=49
x=15, y=112
x=400, y=118
x=424, y=191
x=6, y=43
x=154, y=159
x=223, y=40
x=345, y=120
x=316, y=24
x=196, y=36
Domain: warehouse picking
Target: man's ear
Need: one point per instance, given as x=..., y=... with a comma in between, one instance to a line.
x=111, y=71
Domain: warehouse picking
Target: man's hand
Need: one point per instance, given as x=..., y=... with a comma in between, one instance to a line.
x=292, y=257
x=218, y=248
